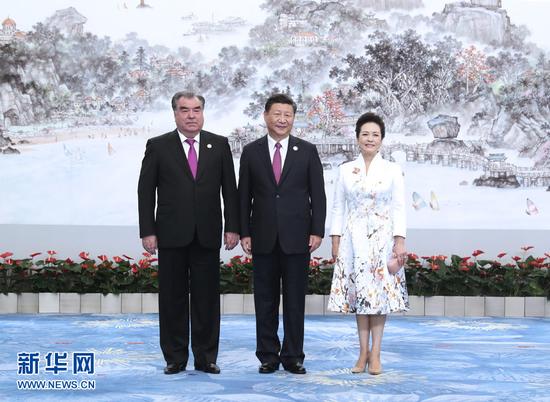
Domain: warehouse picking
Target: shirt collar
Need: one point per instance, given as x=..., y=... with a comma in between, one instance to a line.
x=271, y=142
x=197, y=138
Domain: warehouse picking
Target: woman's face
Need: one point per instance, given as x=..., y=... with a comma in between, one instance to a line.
x=370, y=139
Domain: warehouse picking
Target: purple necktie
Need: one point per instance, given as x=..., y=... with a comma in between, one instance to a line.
x=277, y=163
x=192, y=157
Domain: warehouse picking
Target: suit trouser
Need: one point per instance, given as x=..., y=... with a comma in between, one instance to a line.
x=269, y=269
x=196, y=270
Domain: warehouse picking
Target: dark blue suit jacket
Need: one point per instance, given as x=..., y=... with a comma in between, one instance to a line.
x=186, y=206
x=290, y=211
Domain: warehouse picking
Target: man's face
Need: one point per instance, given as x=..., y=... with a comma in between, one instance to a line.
x=189, y=116
x=279, y=120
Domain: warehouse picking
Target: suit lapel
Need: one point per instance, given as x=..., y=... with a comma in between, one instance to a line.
x=263, y=146
x=204, y=154
x=291, y=154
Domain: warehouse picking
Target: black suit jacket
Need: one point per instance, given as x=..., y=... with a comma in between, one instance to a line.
x=185, y=205
x=290, y=211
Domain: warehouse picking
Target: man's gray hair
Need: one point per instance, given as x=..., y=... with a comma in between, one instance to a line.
x=186, y=95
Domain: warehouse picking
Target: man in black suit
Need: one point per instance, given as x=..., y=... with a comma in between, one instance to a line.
x=283, y=208
x=185, y=169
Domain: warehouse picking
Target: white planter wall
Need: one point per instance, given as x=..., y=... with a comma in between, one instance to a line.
x=450, y=306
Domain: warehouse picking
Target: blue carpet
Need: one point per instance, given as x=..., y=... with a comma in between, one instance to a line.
x=424, y=359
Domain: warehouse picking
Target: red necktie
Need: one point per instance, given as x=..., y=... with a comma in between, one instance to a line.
x=192, y=157
x=277, y=163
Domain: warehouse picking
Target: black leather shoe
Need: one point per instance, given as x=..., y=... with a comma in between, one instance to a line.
x=296, y=368
x=268, y=368
x=174, y=368
x=211, y=368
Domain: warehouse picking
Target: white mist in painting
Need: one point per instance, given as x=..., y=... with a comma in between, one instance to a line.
x=68, y=174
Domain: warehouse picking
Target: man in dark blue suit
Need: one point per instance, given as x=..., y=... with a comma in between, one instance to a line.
x=182, y=173
x=283, y=208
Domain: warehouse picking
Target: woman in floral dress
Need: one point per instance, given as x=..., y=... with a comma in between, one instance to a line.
x=368, y=241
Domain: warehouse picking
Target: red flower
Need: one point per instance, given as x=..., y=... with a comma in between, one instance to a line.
x=117, y=259
x=134, y=269
x=434, y=267
x=84, y=255
x=127, y=257
x=6, y=254
x=237, y=257
x=84, y=266
x=146, y=254
x=34, y=254
x=50, y=260
x=9, y=261
x=153, y=259
x=144, y=263
x=103, y=257
x=477, y=252
x=413, y=256
x=526, y=248
x=500, y=255
x=464, y=268
x=465, y=259
x=51, y=252
x=69, y=261
x=229, y=264
x=516, y=258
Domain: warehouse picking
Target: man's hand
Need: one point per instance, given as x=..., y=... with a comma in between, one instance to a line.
x=246, y=244
x=314, y=243
x=150, y=244
x=230, y=240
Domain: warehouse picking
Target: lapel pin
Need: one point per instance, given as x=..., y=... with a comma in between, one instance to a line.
x=294, y=148
x=208, y=145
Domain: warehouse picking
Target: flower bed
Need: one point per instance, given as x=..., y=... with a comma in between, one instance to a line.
x=524, y=275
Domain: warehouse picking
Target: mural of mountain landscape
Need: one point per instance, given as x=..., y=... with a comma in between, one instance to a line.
x=464, y=90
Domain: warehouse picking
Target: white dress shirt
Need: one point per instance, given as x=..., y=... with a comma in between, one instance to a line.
x=284, y=148
x=186, y=146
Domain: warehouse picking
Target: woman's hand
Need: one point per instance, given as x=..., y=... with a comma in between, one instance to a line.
x=335, y=246
x=399, y=250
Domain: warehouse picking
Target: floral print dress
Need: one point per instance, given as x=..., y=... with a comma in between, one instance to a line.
x=368, y=211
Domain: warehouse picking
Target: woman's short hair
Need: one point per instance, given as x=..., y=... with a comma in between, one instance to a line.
x=370, y=117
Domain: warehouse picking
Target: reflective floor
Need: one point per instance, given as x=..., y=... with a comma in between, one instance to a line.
x=117, y=358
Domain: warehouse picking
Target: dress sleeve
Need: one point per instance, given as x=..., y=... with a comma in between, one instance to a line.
x=398, y=203
x=338, y=206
